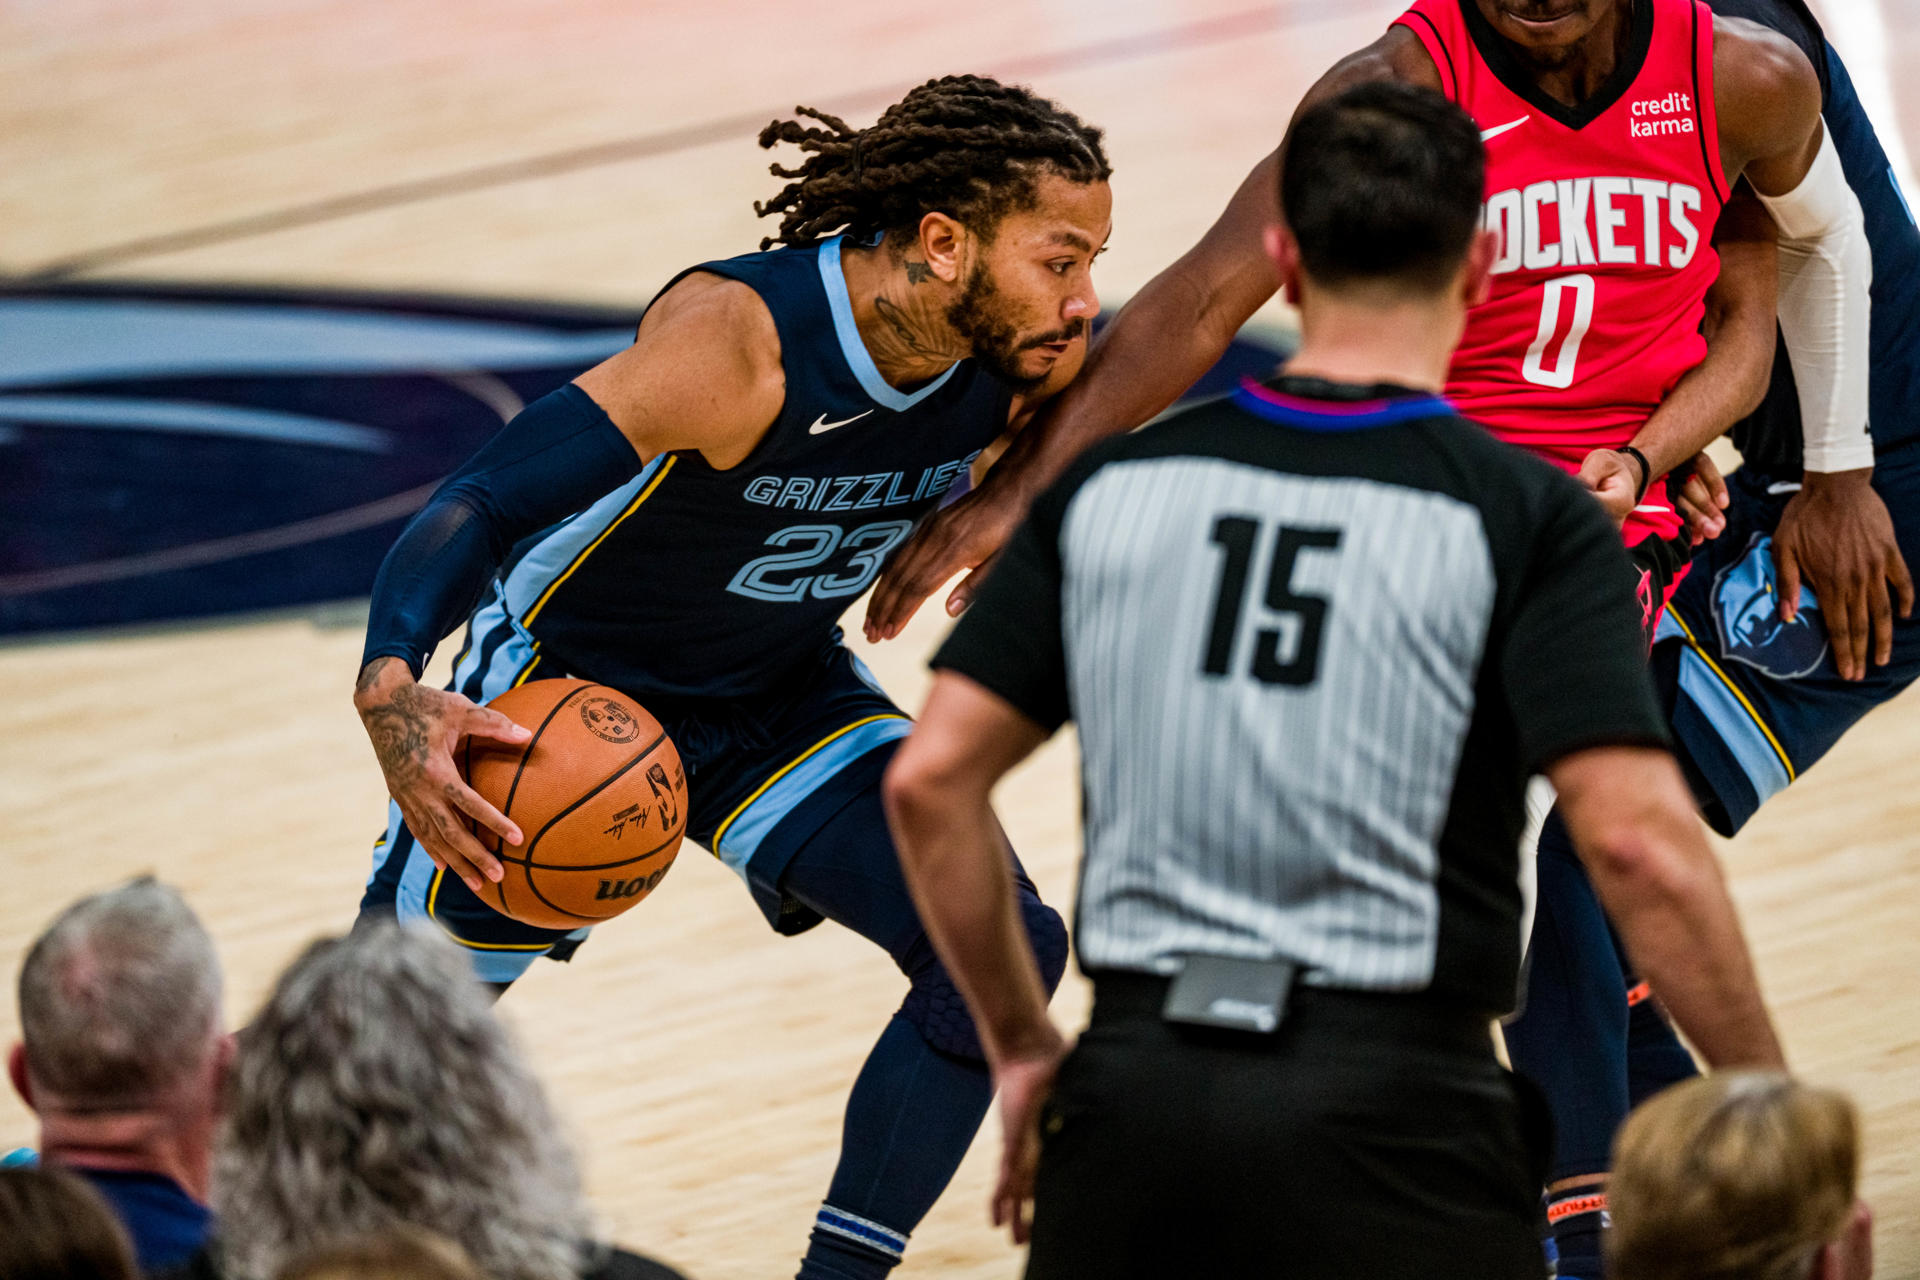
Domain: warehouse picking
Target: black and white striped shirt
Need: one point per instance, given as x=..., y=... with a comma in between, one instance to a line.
x=1315, y=638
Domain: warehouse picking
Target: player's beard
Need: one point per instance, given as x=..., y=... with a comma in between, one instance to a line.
x=982, y=316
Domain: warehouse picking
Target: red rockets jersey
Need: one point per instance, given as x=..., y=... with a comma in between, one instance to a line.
x=1605, y=214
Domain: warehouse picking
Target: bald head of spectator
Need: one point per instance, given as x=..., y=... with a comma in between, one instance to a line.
x=123, y=1057
x=1740, y=1176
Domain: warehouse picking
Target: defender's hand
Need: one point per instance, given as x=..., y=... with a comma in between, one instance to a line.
x=964, y=535
x=1703, y=500
x=1613, y=478
x=415, y=731
x=1836, y=534
x=1024, y=1083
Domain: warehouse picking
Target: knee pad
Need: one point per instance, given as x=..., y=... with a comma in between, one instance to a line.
x=1047, y=934
x=936, y=1010
x=934, y=1005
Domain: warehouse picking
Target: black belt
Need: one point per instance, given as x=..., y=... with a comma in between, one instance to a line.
x=1121, y=995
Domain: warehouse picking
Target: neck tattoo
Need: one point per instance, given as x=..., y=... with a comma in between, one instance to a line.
x=902, y=329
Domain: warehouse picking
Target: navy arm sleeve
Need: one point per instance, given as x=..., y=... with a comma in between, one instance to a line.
x=559, y=455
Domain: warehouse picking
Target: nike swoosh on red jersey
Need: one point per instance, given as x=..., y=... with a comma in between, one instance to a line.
x=820, y=424
x=1499, y=129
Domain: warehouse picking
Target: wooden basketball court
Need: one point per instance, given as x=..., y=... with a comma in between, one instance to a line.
x=587, y=150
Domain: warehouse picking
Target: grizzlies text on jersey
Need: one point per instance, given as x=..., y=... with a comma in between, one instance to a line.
x=696, y=582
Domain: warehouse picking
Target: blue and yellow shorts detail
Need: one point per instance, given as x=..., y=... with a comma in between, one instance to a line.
x=1754, y=700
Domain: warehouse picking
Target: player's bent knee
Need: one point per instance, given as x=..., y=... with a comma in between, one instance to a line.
x=936, y=1010
x=934, y=1005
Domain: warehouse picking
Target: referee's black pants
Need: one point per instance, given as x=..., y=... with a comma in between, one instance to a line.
x=1371, y=1137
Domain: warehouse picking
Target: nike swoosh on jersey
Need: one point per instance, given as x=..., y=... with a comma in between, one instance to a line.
x=1499, y=129
x=821, y=424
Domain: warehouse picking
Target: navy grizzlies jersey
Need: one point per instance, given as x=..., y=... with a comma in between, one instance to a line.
x=689, y=581
x=1770, y=438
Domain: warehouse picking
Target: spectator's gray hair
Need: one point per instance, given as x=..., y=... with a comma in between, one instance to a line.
x=119, y=998
x=377, y=1088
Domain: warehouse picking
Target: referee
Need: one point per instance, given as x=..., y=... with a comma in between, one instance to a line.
x=1315, y=638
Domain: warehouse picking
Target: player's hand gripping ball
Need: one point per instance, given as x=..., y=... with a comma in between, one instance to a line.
x=599, y=794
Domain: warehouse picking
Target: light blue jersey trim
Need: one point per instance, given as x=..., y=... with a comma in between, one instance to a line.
x=509, y=660
x=555, y=553
x=1735, y=725
x=487, y=620
x=416, y=878
x=855, y=350
x=500, y=966
x=744, y=833
x=865, y=672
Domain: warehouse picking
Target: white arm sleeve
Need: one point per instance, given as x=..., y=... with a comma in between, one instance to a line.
x=1826, y=271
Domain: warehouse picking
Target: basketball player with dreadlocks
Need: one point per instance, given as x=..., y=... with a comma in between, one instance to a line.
x=687, y=521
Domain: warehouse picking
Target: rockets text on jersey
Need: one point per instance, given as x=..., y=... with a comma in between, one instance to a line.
x=1605, y=217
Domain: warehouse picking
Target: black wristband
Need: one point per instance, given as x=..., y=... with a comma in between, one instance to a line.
x=1646, y=471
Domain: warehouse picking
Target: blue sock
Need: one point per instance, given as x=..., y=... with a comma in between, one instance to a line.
x=911, y=1117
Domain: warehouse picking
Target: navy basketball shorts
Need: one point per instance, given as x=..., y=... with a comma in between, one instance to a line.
x=1755, y=701
x=763, y=774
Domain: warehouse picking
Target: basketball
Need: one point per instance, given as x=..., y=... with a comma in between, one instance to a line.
x=599, y=795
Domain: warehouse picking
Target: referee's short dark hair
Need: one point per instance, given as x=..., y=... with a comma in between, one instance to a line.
x=1382, y=184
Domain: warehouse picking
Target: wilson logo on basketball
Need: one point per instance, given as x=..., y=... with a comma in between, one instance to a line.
x=614, y=889
x=608, y=719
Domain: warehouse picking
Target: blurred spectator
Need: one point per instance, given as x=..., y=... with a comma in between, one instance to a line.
x=397, y=1253
x=54, y=1227
x=123, y=1057
x=1742, y=1175
x=375, y=1089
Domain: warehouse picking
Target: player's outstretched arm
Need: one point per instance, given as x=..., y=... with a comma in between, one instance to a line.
x=1633, y=822
x=1719, y=391
x=1163, y=340
x=704, y=373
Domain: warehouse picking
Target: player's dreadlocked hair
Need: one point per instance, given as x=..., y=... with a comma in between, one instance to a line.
x=966, y=146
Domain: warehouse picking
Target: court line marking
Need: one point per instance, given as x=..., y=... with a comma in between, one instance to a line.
x=1293, y=14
